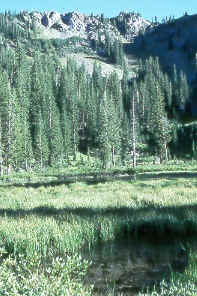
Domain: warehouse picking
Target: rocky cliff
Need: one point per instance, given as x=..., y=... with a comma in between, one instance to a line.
x=83, y=36
x=124, y=27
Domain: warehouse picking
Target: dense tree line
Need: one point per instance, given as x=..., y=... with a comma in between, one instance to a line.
x=48, y=112
x=108, y=48
x=10, y=29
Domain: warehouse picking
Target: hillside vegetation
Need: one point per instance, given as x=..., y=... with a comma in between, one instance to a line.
x=50, y=227
x=98, y=145
x=86, y=90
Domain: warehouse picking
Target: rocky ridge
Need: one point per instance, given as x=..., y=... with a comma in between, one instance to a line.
x=87, y=27
x=173, y=41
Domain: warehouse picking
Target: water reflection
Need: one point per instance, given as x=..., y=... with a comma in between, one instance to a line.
x=131, y=265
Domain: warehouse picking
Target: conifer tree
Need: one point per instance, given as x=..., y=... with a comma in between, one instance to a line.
x=115, y=113
x=40, y=143
x=91, y=119
x=51, y=116
x=159, y=125
x=126, y=137
x=7, y=116
x=175, y=93
x=183, y=92
x=108, y=44
x=125, y=117
x=133, y=118
x=109, y=125
x=65, y=120
x=38, y=126
x=73, y=109
x=22, y=93
x=103, y=132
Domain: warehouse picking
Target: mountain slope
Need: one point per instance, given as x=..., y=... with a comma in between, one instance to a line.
x=74, y=33
x=90, y=39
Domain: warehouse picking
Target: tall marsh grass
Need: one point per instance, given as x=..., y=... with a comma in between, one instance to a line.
x=44, y=225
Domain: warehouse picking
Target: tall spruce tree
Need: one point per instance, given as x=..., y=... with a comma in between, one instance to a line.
x=22, y=93
x=134, y=119
x=114, y=111
x=38, y=125
x=65, y=117
x=51, y=116
x=160, y=126
x=103, y=132
x=7, y=116
x=73, y=107
x=125, y=118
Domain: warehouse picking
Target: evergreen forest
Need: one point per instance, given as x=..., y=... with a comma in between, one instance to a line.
x=50, y=112
x=98, y=155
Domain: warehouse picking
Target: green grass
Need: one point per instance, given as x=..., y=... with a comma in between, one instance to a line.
x=179, y=284
x=47, y=218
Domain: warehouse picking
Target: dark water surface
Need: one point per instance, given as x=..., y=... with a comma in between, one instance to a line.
x=134, y=264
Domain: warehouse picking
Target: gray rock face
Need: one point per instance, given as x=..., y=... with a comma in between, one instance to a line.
x=36, y=15
x=133, y=25
x=50, y=18
x=45, y=21
x=78, y=24
x=76, y=21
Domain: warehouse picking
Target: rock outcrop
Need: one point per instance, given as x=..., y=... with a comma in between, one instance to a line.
x=78, y=24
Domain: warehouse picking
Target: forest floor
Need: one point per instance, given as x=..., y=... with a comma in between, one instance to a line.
x=49, y=218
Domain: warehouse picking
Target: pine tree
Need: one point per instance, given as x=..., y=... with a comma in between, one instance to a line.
x=65, y=120
x=40, y=142
x=175, y=91
x=91, y=119
x=7, y=116
x=159, y=125
x=125, y=117
x=51, y=116
x=73, y=109
x=126, y=144
x=103, y=132
x=155, y=98
x=108, y=44
x=22, y=92
x=115, y=113
x=133, y=118
x=38, y=126
x=183, y=92
x=109, y=125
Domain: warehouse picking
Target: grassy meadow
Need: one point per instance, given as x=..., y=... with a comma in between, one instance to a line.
x=47, y=218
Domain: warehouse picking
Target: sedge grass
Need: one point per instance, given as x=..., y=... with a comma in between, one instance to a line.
x=44, y=225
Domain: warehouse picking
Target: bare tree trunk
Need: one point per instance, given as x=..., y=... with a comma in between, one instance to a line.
x=26, y=164
x=166, y=152
x=74, y=139
x=8, y=169
x=8, y=166
x=1, y=163
x=134, y=133
x=113, y=155
x=75, y=146
x=41, y=157
x=1, y=169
